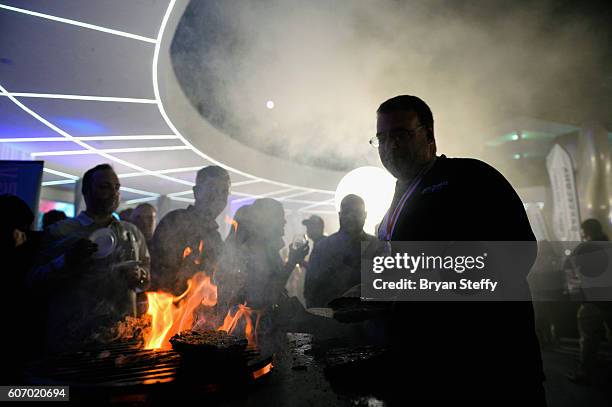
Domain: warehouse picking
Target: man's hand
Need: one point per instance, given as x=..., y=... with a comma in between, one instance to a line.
x=134, y=275
x=80, y=253
x=297, y=256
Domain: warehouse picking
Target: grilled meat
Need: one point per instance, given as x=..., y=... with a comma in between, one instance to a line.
x=207, y=342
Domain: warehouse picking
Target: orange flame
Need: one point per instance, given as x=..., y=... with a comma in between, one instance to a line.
x=171, y=315
x=231, y=322
x=200, y=252
x=232, y=222
x=266, y=369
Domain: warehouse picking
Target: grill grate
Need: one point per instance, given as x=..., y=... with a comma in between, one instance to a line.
x=127, y=364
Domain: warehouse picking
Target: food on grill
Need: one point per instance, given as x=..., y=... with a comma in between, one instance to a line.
x=207, y=342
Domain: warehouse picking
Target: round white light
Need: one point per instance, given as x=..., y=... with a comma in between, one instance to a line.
x=375, y=185
x=270, y=104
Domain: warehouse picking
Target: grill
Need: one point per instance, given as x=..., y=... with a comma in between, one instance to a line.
x=125, y=371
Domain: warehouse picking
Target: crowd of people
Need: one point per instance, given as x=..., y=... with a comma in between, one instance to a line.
x=88, y=273
x=86, y=278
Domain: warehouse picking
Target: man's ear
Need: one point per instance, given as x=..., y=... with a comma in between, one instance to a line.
x=430, y=134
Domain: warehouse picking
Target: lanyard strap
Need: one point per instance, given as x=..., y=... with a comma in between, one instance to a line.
x=388, y=225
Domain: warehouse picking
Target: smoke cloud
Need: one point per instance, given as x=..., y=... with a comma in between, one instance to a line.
x=328, y=64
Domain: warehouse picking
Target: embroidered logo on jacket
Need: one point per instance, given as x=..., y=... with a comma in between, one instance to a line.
x=434, y=188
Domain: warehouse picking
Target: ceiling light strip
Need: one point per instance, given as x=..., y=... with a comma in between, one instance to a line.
x=59, y=182
x=31, y=139
x=301, y=193
x=241, y=183
x=140, y=200
x=304, y=202
x=175, y=194
x=162, y=111
x=268, y=194
x=166, y=171
x=305, y=208
x=135, y=137
x=288, y=200
x=92, y=138
x=81, y=143
x=187, y=169
x=251, y=196
x=62, y=153
x=139, y=191
x=83, y=97
x=151, y=195
x=79, y=24
x=61, y=174
x=109, y=151
x=178, y=198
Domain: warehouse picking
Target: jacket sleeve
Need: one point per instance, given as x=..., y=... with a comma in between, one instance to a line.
x=165, y=256
x=503, y=216
x=50, y=261
x=314, y=272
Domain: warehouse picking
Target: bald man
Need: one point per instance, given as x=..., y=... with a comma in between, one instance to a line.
x=335, y=262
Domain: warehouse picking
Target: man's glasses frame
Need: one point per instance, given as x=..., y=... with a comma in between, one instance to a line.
x=394, y=135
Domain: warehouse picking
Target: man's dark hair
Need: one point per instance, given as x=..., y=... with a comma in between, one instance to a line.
x=408, y=103
x=88, y=176
x=15, y=213
x=212, y=171
x=51, y=217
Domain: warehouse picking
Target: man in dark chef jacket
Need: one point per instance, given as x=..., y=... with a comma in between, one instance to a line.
x=478, y=352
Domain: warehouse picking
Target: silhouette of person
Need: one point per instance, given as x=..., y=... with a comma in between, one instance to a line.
x=188, y=227
x=456, y=199
x=89, y=290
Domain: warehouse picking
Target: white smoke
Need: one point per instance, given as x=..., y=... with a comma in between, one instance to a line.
x=328, y=64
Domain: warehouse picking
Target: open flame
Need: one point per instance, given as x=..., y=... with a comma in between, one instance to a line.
x=264, y=370
x=231, y=322
x=172, y=314
x=232, y=222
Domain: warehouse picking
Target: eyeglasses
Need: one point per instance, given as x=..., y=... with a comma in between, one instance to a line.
x=393, y=135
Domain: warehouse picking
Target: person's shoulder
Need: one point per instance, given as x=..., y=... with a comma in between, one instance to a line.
x=475, y=172
x=465, y=164
x=177, y=215
x=334, y=237
x=62, y=228
x=326, y=242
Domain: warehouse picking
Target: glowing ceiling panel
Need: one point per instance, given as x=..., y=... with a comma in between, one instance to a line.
x=70, y=102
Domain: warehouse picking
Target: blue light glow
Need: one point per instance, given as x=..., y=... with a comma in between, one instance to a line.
x=81, y=126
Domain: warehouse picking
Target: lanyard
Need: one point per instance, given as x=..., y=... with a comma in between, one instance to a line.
x=387, y=226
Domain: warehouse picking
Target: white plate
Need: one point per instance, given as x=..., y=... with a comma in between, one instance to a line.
x=106, y=241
